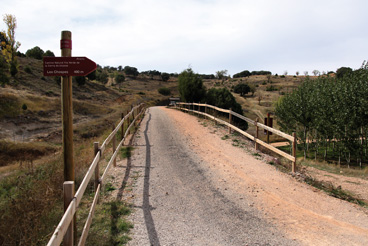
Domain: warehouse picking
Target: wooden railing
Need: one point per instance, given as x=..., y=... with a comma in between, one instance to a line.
x=64, y=229
x=190, y=107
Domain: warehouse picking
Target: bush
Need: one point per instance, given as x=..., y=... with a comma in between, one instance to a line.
x=13, y=68
x=271, y=88
x=36, y=53
x=119, y=78
x=102, y=76
x=223, y=98
x=165, y=77
x=164, y=91
x=81, y=80
x=49, y=53
x=28, y=70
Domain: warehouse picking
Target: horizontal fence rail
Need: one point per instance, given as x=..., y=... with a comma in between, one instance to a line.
x=189, y=107
x=65, y=222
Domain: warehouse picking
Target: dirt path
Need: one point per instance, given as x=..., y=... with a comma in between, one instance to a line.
x=190, y=187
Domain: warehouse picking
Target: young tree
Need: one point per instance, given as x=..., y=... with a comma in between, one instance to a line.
x=10, y=46
x=191, y=87
x=242, y=89
x=221, y=74
x=316, y=72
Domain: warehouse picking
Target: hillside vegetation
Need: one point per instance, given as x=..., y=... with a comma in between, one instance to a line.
x=31, y=170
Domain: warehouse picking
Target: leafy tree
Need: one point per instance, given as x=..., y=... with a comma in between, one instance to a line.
x=221, y=74
x=297, y=73
x=36, y=53
x=49, y=53
x=343, y=71
x=9, y=47
x=252, y=88
x=242, y=89
x=191, y=87
x=165, y=77
x=131, y=71
x=244, y=73
x=316, y=72
x=119, y=78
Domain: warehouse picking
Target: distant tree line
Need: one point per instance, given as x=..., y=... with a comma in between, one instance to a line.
x=246, y=73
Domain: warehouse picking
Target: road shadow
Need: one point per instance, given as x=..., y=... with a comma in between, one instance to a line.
x=150, y=225
x=147, y=208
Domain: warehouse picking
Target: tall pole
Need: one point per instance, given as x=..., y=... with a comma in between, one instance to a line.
x=67, y=110
x=67, y=123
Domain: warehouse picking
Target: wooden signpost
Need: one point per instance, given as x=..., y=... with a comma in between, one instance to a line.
x=67, y=66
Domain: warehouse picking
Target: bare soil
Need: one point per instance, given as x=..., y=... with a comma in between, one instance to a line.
x=301, y=213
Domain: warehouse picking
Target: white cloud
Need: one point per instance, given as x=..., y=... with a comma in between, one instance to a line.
x=210, y=35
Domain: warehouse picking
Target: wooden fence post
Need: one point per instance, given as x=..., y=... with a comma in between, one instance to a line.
x=122, y=127
x=131, y=130
x=268, y=124
x=97, y=170
x=114, y=145
x=230, y=116
x=128, y=120
x=293, y=165
x=256, y=137
x=68, y=188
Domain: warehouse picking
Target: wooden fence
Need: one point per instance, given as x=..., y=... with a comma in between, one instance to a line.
x=190, y=107
x=64, y=230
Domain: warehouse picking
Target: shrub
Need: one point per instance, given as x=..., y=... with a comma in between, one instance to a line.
x=165, y=77
x=164, y=91
x=119, y=78
x=271, y=88
x=13, y=68
x=223, y=98
x=36, y=53
x=28, y=70
x=81, y=80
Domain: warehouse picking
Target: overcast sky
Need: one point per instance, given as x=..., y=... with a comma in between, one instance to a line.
x=207, y=35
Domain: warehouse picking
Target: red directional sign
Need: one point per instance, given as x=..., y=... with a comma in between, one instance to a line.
x=67, y=66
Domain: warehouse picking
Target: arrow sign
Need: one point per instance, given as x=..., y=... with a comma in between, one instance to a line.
x=67, y=66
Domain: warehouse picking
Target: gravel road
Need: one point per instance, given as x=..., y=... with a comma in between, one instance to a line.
x=177, y=200
x=194, y=184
